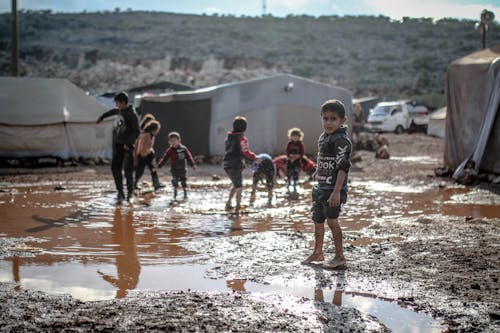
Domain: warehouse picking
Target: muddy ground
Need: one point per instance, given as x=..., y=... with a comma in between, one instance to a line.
x=411, y=248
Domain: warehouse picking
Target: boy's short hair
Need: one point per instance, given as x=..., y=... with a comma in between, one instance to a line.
x=121, y=97
x=333, y=105
x=295, y=132
x=173, y=135
x=239, y=124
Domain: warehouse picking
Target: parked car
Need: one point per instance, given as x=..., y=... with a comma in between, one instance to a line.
x=398, y=116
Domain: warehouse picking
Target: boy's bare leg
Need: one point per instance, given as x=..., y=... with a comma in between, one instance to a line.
x=252, y=195
x=339, y=259
x=231, y=195
x=319, y=235
x=238, y=200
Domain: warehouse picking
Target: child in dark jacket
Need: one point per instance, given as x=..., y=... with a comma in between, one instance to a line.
x=294, y=152
x=334, y=151
x=237, y=149
x=178, y=155
x=263, y=170
x=124, y=136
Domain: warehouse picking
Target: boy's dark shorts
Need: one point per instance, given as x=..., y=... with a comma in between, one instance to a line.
x=321, y=209
x=236, y=176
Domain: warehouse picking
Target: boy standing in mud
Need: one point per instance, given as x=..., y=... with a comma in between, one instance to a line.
x=236, y=147
x=334, y=150
x=124, y=136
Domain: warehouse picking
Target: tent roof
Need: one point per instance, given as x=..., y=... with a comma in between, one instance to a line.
x=41, y=101
x=207, y=92
x=485, y=56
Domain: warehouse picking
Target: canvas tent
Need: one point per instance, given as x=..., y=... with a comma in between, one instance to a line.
x=472, y=125
x=271, y=105
x=51, y=118
x=437, y=123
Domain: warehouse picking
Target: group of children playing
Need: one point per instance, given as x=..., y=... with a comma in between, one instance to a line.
x=133, y=147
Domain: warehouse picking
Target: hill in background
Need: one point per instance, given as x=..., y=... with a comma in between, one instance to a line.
x=113, y=51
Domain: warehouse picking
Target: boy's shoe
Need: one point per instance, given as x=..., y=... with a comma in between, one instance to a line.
x=130, y=196
x=120, y=197
x=159, y=186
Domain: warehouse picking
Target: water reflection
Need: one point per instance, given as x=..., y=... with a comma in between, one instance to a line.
x=128, y=267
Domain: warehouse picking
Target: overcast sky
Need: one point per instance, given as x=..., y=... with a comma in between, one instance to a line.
x=395, y=9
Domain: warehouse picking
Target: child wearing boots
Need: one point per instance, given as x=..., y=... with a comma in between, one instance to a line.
x=178, y=155
x=144, y=154
x=294, y=152
x=237, y=149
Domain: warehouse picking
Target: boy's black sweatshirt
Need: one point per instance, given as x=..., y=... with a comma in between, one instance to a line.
x=127, y=130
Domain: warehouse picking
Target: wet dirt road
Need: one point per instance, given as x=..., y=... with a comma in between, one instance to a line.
x=80, y=243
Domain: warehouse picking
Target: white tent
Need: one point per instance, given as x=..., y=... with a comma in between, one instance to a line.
x=50, y=118
x=271, y=105
x=437, y=123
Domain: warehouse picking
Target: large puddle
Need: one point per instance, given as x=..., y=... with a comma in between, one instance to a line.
x=95, y=250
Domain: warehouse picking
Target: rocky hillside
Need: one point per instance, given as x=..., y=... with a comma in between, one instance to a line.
x=109, y=51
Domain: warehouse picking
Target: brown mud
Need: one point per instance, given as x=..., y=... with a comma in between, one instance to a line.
x=423, y=253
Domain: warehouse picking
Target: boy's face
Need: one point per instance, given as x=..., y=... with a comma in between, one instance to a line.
x=295, y=137
x=331, y=121
x=121, y=105
x=174, y=142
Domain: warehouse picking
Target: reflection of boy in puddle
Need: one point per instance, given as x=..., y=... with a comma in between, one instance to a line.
x=263, y=170
x=127, y=264
x=337, y=296
x=334, y=150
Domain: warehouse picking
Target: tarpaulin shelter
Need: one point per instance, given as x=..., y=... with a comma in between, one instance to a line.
x=437, y=123
x=472, y=135
x=271, y=105
x=43, y=117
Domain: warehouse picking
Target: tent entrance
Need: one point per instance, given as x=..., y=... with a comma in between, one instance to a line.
x=190, y=118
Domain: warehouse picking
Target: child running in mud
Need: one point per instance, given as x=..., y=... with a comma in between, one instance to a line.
x=334, y=150
x=144, y=154
x=178, y=155
x=294, y=152
x=263, y=170
x=237, y=148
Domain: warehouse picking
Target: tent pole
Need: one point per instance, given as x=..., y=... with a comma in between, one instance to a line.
x=15, y=40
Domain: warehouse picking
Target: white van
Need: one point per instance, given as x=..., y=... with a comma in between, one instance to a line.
x=397, y=116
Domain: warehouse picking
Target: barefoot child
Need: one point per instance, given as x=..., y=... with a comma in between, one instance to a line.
x=334, y=150
x=178, y=155
x=236, y=150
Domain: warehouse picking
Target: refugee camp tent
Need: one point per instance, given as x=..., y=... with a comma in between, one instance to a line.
x=51, y=118
x=437, y=123
x=472, y=126
x=271, y=105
